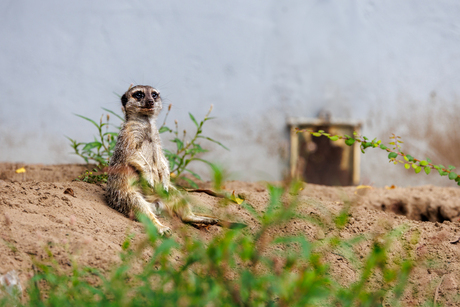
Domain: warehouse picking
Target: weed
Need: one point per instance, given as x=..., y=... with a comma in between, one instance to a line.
x=101, y=149
x=96, y=176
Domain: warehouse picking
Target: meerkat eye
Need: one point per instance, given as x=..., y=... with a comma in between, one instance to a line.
x=138, y=95
x=154, y=95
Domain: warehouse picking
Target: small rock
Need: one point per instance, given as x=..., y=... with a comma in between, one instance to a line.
x=70, y=192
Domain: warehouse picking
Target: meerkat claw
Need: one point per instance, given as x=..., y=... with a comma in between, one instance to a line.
x=165, y=231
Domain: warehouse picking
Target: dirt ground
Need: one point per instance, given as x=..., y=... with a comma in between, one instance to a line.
x=37, y=212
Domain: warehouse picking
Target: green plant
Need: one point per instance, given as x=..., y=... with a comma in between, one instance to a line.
x=236, y=268
x=395, y=154
x=101, y=149
x=187, y=150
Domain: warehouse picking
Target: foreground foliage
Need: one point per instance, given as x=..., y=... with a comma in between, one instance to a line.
x=236, y=268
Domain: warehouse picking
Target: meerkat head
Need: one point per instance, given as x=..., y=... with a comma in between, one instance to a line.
x=141, y=100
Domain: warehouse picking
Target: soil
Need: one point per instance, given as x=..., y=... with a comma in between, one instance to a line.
x=44, y=208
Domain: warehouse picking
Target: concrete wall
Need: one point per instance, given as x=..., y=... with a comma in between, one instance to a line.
x=257, y=61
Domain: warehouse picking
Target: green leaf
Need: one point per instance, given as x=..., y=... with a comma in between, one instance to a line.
x=383, y=147
x=350, y=141
x=410, y=158
x=110, y=111
x=451, y=167
x=334, y=138
x=179, y=143
x=427, y=170
x=407, y=165
x=193, y=174
x=367, y=144
x=392, y=155
x=418, y=169
x=193, y=119
x=198, y=149
x=423, y=163
x=193, y=184
x=428, y=159
x=214, y=141
x=91, y=145
x=88, y=119
x=164, y=129
x=316, y=134
x=114, y=134
x=452, y=175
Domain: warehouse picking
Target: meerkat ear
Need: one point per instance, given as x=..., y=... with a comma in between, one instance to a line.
x=124, y=100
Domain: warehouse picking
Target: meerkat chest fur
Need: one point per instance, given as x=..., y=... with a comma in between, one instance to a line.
x=151, y=152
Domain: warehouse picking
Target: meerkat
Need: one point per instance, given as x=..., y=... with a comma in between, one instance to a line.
x=138, y=157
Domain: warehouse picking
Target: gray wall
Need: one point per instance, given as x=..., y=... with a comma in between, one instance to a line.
x=257, y=61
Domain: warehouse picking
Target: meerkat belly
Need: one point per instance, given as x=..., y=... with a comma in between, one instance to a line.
x=151, y=171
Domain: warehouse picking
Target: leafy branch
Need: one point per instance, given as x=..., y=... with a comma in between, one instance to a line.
x=395, y=154
x=186, y=151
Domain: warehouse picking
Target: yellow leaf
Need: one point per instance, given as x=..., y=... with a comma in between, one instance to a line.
x=364, y=187
x=236, y=199
x=390, y=188
x=172, y=175
x=21, y=170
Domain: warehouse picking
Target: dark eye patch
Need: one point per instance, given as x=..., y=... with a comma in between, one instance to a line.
x=138, y=95
x=154, y=95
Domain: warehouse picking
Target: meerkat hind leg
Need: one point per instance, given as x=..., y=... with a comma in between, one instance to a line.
x=143, y=206
x=184, y=212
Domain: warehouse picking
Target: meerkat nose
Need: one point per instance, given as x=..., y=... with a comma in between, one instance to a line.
x=150, y=103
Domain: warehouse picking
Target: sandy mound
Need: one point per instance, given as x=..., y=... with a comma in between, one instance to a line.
x=37, y=211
